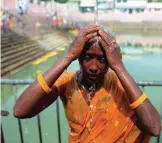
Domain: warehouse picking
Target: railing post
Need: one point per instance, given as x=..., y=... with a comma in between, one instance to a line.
x=2, y=137
x=19, y=121
x=159, y=136
x=143, y=87
x=20, y=130
x=58, y=120
x=158, y=139
x=39, y=129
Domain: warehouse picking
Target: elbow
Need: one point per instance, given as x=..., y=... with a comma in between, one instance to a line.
x=155, y=131
x=17, y=113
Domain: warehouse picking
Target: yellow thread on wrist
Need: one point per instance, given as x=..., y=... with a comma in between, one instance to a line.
x=43, y=84
x=139, y=101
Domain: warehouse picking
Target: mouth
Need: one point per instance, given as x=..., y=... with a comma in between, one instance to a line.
x=92, y=77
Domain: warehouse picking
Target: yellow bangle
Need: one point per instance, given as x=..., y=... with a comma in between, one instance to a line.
x=138, y=102
x=43, y=84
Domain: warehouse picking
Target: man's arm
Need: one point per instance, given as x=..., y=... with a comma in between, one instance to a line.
x=146, y=113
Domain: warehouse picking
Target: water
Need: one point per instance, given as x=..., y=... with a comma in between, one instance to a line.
x=142, y=68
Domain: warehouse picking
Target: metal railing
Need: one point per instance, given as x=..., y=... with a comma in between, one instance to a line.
x=14, y=82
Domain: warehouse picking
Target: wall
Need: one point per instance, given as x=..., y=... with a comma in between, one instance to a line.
x=8, y=4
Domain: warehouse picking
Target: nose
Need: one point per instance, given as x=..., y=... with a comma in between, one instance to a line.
x=93, y=68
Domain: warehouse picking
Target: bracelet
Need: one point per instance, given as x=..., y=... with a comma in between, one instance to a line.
x=138, y=102
x=43, y=84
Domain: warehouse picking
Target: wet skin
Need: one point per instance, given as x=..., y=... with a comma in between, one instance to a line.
x=34, y=99
x=93, y=66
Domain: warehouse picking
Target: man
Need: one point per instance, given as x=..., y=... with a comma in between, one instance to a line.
x=100, y=106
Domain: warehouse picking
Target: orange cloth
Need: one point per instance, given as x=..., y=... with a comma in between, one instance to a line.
x=10, y=24
x=108, y=118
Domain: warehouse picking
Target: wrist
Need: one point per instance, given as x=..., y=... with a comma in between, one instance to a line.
x=68, y=59
x=119, y=69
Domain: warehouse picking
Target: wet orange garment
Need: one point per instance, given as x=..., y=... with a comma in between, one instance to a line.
x=108, y=118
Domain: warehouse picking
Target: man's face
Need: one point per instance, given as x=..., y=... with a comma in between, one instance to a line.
x=94, y=64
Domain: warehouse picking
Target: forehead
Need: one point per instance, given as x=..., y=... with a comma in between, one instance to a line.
x=95, y=49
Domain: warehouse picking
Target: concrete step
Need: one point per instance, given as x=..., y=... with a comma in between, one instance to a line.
x=15, y=39
x=16, y=50
x=14, y=67
x=8, y=35
x=19, y=58
x=7, y=45
x=11, y=57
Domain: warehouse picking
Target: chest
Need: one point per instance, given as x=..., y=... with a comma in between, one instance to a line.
x=77, y=104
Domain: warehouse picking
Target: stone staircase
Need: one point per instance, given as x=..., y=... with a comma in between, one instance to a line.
x=53, y=41
x=27, y=42
x=17, y=52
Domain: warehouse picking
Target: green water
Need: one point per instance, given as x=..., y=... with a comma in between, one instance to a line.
x=142, y=68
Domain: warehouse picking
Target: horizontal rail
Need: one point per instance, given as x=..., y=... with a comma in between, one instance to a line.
x=16, y=81
x=149, y=83
x=27, y=82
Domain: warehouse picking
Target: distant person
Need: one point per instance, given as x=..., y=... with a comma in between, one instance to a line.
x=54, y=20
x=21, y=12
x=5, y=28
x=101, y=106
x=60, y=21
x=10, y=23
